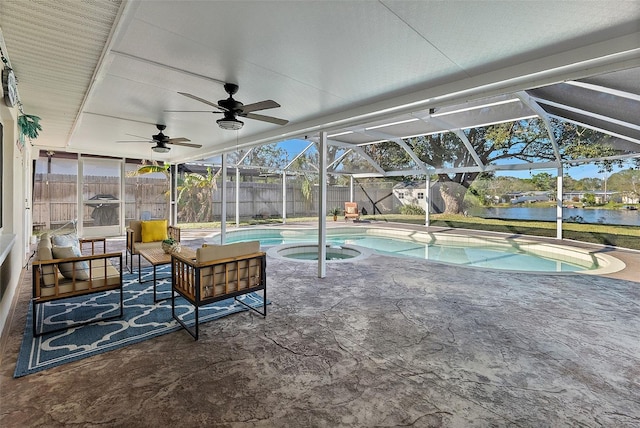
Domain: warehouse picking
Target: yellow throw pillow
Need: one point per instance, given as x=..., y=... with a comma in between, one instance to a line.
x=154, y=230
x=351, y=210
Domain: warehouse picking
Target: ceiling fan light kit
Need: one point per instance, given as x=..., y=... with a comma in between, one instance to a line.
x=230, y=123
x=160, y=149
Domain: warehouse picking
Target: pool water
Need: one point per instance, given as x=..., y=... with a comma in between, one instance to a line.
x=505, y=258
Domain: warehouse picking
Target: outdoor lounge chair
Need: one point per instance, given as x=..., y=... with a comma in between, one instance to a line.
x=351, y=211
x=142, y=234
x=218, y=272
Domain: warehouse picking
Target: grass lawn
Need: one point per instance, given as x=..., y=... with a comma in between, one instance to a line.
x=618, y=236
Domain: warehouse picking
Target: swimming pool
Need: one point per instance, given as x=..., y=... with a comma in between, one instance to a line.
x=479, y=251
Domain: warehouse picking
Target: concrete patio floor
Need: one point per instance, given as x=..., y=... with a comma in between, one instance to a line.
x=382, y=342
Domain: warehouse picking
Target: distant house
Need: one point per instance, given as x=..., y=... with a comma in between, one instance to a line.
x=415, y=193
x=601, y=196
x=529, y=197
x=411, y=193
x=629, y=198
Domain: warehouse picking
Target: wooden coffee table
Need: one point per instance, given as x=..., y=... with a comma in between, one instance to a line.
x=157, y=257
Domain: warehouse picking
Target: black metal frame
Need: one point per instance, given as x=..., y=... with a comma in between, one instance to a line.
x=155, y=280
x=194, y=332
x=128, y=254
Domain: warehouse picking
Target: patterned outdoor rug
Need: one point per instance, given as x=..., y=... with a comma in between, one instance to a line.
x=142, y=320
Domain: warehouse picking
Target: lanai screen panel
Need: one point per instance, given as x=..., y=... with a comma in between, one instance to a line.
x=354, y=163
x=444, y=151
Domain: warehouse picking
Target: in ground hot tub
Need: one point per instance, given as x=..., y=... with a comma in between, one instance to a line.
x=309, y=252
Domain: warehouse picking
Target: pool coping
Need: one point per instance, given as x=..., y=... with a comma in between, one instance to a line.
x=276, y=251
x=568, y=253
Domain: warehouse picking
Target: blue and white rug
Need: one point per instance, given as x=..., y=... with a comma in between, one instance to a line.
x=142, y=320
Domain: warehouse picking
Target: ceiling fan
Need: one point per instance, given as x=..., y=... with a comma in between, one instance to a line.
x=162, y=140
x=232, y=108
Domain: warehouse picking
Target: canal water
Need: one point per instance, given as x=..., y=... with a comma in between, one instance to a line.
x=581, y=215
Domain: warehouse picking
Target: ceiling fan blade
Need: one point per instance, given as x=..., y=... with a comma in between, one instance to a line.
x=191, y=111
x=135, y=141
x=178, y=140
x=138, y=136
x=180, y=143
x=265, y=118
x=262, y=105
x=202, y=100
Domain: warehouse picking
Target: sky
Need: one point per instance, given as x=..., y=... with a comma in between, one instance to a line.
x=577, y=172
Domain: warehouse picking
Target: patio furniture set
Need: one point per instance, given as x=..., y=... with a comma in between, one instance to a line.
x=201, y=276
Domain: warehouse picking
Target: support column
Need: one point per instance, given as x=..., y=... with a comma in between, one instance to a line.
x=223, y=208
x=322, y=205
x=351, y=188
x=237, y=196
x=427, y=200
x=284, y=197
x=173, y=215
x=559, y=204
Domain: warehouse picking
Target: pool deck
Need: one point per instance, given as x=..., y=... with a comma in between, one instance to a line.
x=385, y=341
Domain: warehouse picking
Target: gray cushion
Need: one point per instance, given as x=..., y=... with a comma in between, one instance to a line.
x=66, y=240
x=216, y=252
x=67, y=269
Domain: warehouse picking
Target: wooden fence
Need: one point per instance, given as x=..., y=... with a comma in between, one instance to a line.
x=55, y=199
x=265, y=199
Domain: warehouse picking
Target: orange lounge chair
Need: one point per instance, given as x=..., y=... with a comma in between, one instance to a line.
x=351, y=211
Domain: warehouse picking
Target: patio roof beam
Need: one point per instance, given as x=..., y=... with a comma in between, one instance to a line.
x=397, y=140
x=586, y=113
x=575, y=162
x=604, y=89
x=544, y=116
x=522, y=166
x=361, y=152
x=299, y=154
x=339, y=159
x=595, y=128
x=461, y=135
x=453, y=170
x=244, y=156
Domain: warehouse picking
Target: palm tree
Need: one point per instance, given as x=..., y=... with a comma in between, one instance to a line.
x=195, y=196
x=150, y=168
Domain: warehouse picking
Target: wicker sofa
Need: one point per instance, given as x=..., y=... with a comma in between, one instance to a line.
x=218, y=272
x=60, y=272
x=136, y=242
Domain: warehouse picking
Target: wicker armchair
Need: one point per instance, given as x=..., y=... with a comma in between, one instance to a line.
x=135, y=242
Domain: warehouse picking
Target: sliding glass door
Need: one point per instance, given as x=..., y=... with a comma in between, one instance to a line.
x=101, y=197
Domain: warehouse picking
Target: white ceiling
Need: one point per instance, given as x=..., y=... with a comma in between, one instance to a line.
x=98, y=72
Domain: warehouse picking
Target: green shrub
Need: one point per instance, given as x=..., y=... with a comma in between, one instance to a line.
x=411, y=210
